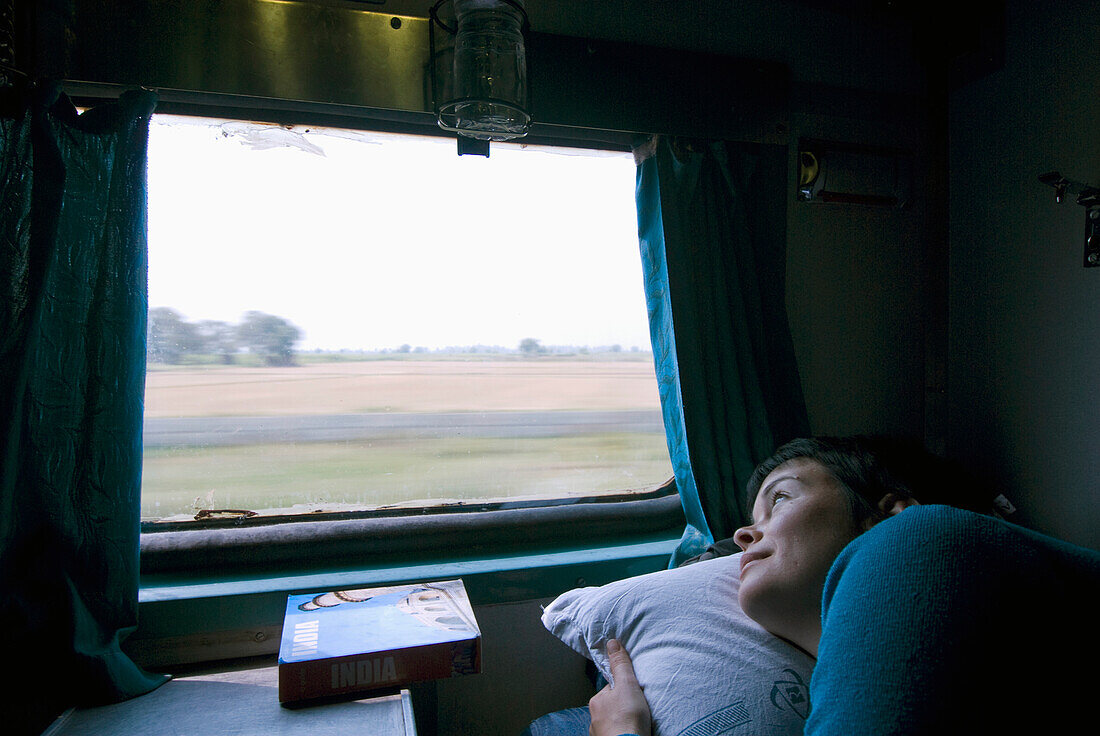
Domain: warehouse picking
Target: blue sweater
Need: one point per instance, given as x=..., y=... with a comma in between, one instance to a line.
x=942, y=621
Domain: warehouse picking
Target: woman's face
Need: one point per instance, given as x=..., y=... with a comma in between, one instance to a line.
x=801, y=522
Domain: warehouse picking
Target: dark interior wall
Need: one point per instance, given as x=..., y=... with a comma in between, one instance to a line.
x=856, y=285
x=1024, y=347
x=863, y=317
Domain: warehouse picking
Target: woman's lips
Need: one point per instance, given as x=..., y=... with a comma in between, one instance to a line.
x=750, y=557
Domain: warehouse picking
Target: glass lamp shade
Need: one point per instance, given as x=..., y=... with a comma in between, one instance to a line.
x=489, y=90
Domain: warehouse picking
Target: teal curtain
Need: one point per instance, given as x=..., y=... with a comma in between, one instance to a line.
x=712, y=230
x=73, y=272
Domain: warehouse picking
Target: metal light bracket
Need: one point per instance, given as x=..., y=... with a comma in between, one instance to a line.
x=854, y=174
x=1088, y=197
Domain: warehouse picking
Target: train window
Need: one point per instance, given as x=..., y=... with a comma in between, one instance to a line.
x=345, y=320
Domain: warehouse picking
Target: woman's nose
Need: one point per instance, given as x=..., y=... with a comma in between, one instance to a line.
x=745, y=536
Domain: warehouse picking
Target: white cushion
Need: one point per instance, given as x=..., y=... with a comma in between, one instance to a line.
x=705, y=667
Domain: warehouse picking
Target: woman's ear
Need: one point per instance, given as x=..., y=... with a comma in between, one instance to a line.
x=889, y=505
x=895, y=503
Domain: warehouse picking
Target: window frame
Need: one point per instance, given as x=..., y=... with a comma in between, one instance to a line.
x=273, y=546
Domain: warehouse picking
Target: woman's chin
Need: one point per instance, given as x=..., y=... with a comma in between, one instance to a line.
x=748, y=599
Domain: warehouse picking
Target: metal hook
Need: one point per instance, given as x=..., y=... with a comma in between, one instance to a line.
x=1059, y=182
x=1089, y=198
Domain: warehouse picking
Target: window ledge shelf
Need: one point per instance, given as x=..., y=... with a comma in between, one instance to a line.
x=509, y=556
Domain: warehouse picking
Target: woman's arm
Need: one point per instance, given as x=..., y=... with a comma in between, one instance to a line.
x=620, y=709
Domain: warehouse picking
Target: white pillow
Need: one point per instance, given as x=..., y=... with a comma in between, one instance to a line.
x=705, y=667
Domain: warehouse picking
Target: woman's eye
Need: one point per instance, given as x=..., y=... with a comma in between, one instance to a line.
x=777, y=495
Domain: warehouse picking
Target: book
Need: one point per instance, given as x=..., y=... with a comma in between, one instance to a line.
x=352, y=642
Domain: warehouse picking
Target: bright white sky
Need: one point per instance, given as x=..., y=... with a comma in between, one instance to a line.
x=370, y=246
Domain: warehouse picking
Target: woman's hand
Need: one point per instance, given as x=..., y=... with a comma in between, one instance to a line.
x=620, y=708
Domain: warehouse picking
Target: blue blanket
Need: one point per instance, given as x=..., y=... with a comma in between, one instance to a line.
x=942, y=621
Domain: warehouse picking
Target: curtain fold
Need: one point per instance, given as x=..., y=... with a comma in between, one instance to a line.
x=712, y=232
x=73, y=308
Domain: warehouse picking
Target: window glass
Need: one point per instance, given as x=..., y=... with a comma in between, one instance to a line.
x=352, y=320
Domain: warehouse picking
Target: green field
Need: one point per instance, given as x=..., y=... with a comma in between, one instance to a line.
x=306, y=476
x=334, y=475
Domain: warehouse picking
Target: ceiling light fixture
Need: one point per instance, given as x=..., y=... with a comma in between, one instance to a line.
x=479, y=80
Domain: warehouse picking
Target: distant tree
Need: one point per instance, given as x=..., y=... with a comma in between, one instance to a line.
x=530, y=346
x=269, y=336
x=218, y=338
x=169, y=337
x=406, y=348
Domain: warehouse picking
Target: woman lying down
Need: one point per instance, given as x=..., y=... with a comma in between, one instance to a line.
x=922, y=619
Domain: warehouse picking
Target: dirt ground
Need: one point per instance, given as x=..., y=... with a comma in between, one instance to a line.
x=401, y=386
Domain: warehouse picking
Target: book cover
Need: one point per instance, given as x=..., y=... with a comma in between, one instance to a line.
x=347, y=642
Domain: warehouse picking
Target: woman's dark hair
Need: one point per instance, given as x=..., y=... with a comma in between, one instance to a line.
x=868, y=468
